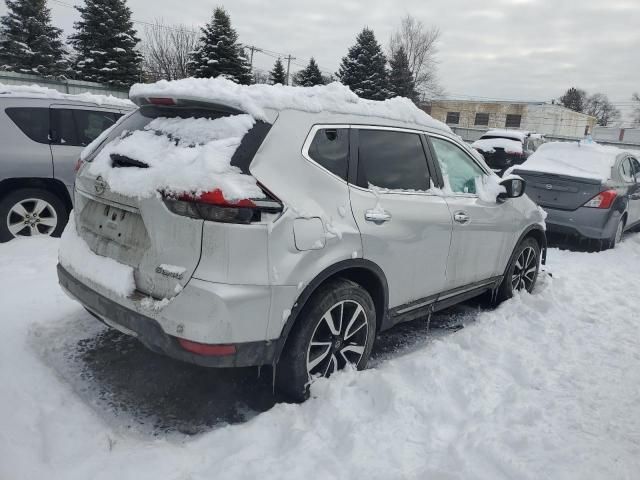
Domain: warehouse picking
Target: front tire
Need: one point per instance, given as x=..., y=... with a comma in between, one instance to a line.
x=31, y=212
x=337, y=327
x=522, y=272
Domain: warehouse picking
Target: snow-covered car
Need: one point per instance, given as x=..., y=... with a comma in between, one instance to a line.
x=227, y=225
x=502, y=149
x=588, y=190
x=42, y=133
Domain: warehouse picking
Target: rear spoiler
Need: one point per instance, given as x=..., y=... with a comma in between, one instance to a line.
x=167, y=101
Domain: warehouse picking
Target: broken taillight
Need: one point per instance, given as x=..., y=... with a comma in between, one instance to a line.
x=214, y=207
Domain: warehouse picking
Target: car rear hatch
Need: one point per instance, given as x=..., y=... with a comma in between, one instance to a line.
x=561, y=192
x=159, y=234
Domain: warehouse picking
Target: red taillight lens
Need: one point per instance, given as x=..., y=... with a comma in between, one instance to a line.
x=602, y=200
x=161, y=101
x=78, y=166
x=206, y=349
x=214, y=207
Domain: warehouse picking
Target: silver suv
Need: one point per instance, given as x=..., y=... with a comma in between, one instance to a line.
x=41, y=141
x=362, y=222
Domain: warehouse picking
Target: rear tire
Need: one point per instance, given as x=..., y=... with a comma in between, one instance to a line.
x=522, y=272
x=31, y=212
x=617, y=235
x=337, y=326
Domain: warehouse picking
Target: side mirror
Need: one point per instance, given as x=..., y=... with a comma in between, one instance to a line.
x=514, y=187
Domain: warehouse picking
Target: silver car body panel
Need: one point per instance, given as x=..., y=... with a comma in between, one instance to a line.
x=241, y=282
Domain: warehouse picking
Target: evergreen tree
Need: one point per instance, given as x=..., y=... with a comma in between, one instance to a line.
x=278, y=75
x=28, y=41
x=219, y=53
x=401, y=81
x=574, y=99
x=364, y=68
x=105, y=42
x=310, y=75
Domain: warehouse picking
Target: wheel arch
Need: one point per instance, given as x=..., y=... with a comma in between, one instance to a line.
x=363, y=272
x=52, y=185
x=536, y=232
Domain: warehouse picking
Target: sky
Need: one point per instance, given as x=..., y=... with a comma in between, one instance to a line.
x=502, y=49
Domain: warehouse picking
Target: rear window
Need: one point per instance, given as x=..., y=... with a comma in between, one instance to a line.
x=330, y=149
x=33, y=122
x=139, y=119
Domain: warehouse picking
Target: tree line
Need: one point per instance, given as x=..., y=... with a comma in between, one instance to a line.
x=597, y=105
x=105, y=48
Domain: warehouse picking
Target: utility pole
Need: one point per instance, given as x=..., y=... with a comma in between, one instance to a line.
x=289, y=58
x=252, y=49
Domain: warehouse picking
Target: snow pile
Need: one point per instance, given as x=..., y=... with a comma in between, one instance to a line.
x=544, y=387
x=519, y=135
x=575, y=159
x=489, y=145
x=36, y=91
x=76, y=256
x=254, y=99
x=488, y=188
x=183, y=155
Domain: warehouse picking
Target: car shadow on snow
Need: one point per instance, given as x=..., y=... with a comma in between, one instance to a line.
x=148, y=393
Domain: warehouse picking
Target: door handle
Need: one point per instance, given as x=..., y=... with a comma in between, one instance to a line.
x=461, y=217
x=377, y=216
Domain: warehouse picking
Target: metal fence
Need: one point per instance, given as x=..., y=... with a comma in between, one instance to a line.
x=62, y=85
x=604, y=135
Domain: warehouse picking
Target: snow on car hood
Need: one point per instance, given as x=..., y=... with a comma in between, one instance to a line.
x=183, y=155
x=489, y=145
x=254, y=99
x=575, y=159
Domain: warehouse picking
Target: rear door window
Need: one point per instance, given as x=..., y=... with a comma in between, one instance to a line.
x=33, y=122
x=391, y=159
x=636, y=169
x=330, y=149
x=459, y=170
x=78, y=127
x=626, y=171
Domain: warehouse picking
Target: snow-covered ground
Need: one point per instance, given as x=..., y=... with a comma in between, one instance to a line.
x=547, y=386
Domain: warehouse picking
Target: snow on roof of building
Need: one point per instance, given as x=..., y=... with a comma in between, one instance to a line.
x=514, y=134
x=254, y=99
x=36, y=91
x=576, y=159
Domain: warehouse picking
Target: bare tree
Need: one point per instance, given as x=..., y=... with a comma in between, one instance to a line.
x=599, y=106
x=636, y=110
x=166, y=50
x=420, y=44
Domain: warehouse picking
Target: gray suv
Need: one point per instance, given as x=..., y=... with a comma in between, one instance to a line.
x=41, y=142
x=361, y=222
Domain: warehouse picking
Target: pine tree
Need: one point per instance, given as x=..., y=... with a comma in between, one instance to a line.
x=574, y=99
x=105, y=42
x=277, y=75
x=364, y=68
x=219, y=53
x=28, y=41
x=401, y=81
x=310, y=75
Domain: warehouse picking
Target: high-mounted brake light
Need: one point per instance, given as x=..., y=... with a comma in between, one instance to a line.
x=602, y=200
x=214, y=207
x=161, y=101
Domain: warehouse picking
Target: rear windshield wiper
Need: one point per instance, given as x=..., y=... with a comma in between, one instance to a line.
x=119, y=161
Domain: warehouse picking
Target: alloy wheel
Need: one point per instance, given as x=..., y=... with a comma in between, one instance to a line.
x=339, y=338
x=524, y=270
x=32, y=217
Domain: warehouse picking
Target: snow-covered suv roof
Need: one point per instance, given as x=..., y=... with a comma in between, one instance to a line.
x=38, y=92
x=255, y=99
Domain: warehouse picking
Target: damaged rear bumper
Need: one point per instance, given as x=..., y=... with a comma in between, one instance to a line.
x=151, y=334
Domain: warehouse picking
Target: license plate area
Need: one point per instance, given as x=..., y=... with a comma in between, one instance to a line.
x=114, y=232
